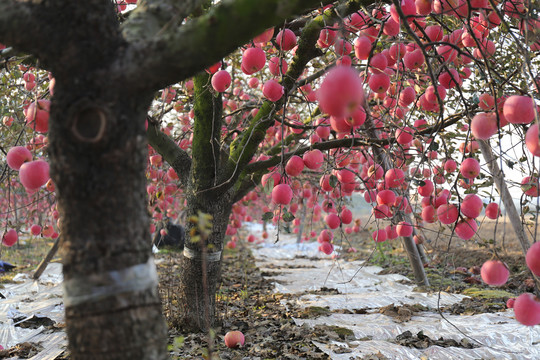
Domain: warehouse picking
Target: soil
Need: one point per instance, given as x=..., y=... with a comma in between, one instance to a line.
x=245, y=302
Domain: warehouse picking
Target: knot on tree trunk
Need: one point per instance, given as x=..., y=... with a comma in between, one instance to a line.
x=89, y=122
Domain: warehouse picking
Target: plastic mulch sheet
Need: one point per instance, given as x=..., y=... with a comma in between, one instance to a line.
x=31, y=302
x=357, y=289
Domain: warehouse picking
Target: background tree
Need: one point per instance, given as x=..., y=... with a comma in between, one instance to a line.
x=392, y=125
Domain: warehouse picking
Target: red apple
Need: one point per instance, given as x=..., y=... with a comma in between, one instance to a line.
x=533, y=258
x=527, y=309
x=404, y=229
x=221, y=80
x=34, y=174
x=294, y=166
x=10, y=237
x=379, y=235
x=494, y=272
x=282, y=194
x=341, y=93
x=18, y=155
x=286, y=39
x=519, y=109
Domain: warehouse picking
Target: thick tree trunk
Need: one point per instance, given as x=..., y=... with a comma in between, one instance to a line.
x=201, y=268
x=98, y=156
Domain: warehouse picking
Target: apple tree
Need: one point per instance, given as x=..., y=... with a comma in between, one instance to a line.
x=314, y=103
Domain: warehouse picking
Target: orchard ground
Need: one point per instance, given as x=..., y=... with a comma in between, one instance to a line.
x=248, y=301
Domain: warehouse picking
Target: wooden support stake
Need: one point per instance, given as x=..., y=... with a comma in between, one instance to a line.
x=515, y=220
x=43, y=264
x=417, y=263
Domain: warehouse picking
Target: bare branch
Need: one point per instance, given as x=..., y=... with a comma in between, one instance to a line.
x=171, y=152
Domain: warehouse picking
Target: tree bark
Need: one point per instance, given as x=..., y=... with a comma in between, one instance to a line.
x=112, y=306
x=201, y=264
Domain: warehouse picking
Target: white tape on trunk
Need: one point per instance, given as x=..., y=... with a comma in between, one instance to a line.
x=198, y=255
x=84, y=289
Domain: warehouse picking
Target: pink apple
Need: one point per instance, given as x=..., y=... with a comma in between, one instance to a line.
x=253, y=60
x=466, y=229
x=391, y=232
x=346, y=216
x=429, y=214
x=341, y=93
x=362, y=47
x=379, y=83
x=394, y=177
x=404, y=135
x=519, y=109
x=470, y=168
x=313, y=159
x=34, y=174
x=450, y=79
x=8, y=121
x=10, y=238
x=407, y=96
x=527, y=309
x=327, y=37
x=487, y=102
x=533, y=258
x=404, y=229
x=35, y=230
x=37, y=115
x=414, y=59
x=427, y=188
x=234, y=339
x=386, y=197
x=332, y=220
x=492, y=211
x=326, y=248
x=378, y=63
x=471, y=206
x=510, y=303
x=530, y=186
x=277, y=67
x=326, y=235
x=379, y=235
x=272, y=90
x=17, y=156
x=494, y=272
x=484, y=125
x=532, y=140
x=221, y=80
x=253, y=82
x=156, y=160
x=282, y=194
x=286, y=39
x=294, y=166
x=265, y=37
x=447, y=213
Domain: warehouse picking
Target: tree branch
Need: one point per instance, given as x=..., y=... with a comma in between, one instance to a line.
x=16, y=17
x=206, y=134
x=201, y=42
x=151, y=18
x=171, y=152
x=347, y=142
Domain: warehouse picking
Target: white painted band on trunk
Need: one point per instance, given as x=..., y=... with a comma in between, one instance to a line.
x=84, y=289
x=197, y=255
